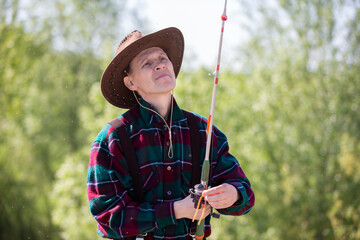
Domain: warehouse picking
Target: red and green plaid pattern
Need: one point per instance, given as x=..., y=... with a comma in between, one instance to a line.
x=165, y=180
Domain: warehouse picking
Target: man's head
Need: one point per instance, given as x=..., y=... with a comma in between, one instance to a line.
x=163, y=48
x=150, y=74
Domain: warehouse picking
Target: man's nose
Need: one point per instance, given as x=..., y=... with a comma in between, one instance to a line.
x=160, y=65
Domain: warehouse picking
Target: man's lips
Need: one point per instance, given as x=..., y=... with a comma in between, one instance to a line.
x=160, y=75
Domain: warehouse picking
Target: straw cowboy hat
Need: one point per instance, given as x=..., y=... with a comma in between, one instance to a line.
x=170, y=40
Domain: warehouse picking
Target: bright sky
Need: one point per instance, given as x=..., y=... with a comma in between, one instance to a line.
x=200, y=23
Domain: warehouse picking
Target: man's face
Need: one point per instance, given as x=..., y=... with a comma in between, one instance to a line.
x=151, y=73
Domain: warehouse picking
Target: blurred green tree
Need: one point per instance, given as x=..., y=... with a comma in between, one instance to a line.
x=301, y=112
x=291, y=113
x=44, y=89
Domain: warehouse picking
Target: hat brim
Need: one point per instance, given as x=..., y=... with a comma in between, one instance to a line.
x=113, y=88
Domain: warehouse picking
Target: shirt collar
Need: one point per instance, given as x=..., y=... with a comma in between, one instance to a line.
x=150, y=118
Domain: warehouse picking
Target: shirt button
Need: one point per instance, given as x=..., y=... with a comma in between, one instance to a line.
x=169, y=193
x=169, y=168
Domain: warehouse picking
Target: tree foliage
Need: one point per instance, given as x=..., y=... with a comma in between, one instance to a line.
x=291, y=114
x=301, y=112
x=43, y=92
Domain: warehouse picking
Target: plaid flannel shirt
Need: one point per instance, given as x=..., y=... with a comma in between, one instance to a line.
x=165, y=180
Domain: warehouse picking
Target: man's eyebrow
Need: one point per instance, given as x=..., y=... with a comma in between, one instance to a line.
x=144, y=57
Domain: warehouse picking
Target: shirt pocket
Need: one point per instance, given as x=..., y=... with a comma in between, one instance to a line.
x=150, y=180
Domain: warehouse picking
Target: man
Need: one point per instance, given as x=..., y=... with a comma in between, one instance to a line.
x=141, y=77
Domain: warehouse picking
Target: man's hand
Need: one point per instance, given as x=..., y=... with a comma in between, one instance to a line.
x=222, y=196
x=185, y=209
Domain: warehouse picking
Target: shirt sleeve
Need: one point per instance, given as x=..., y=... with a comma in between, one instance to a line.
x=226, y=169
x=109, y=193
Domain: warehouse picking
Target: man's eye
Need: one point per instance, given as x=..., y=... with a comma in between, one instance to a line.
x=146, y=64
x=163, y=58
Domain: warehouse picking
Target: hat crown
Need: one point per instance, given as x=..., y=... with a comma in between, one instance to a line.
x=129, y=39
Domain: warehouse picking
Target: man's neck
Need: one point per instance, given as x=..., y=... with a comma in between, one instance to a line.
x=162, y=104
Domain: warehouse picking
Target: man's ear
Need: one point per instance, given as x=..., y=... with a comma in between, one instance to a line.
x=129, y=84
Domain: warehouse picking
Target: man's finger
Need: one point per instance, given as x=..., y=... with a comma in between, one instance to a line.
x=213, y=191
x=215, y=198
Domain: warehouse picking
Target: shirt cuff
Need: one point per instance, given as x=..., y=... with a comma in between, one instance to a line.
x=164, y=214
x=241, y=192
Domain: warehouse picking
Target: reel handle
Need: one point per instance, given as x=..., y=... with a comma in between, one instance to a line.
x=195, y=194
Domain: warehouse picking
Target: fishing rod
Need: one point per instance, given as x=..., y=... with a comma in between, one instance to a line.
x=196, y=192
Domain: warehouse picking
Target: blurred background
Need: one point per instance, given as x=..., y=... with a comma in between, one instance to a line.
x=288, y=99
